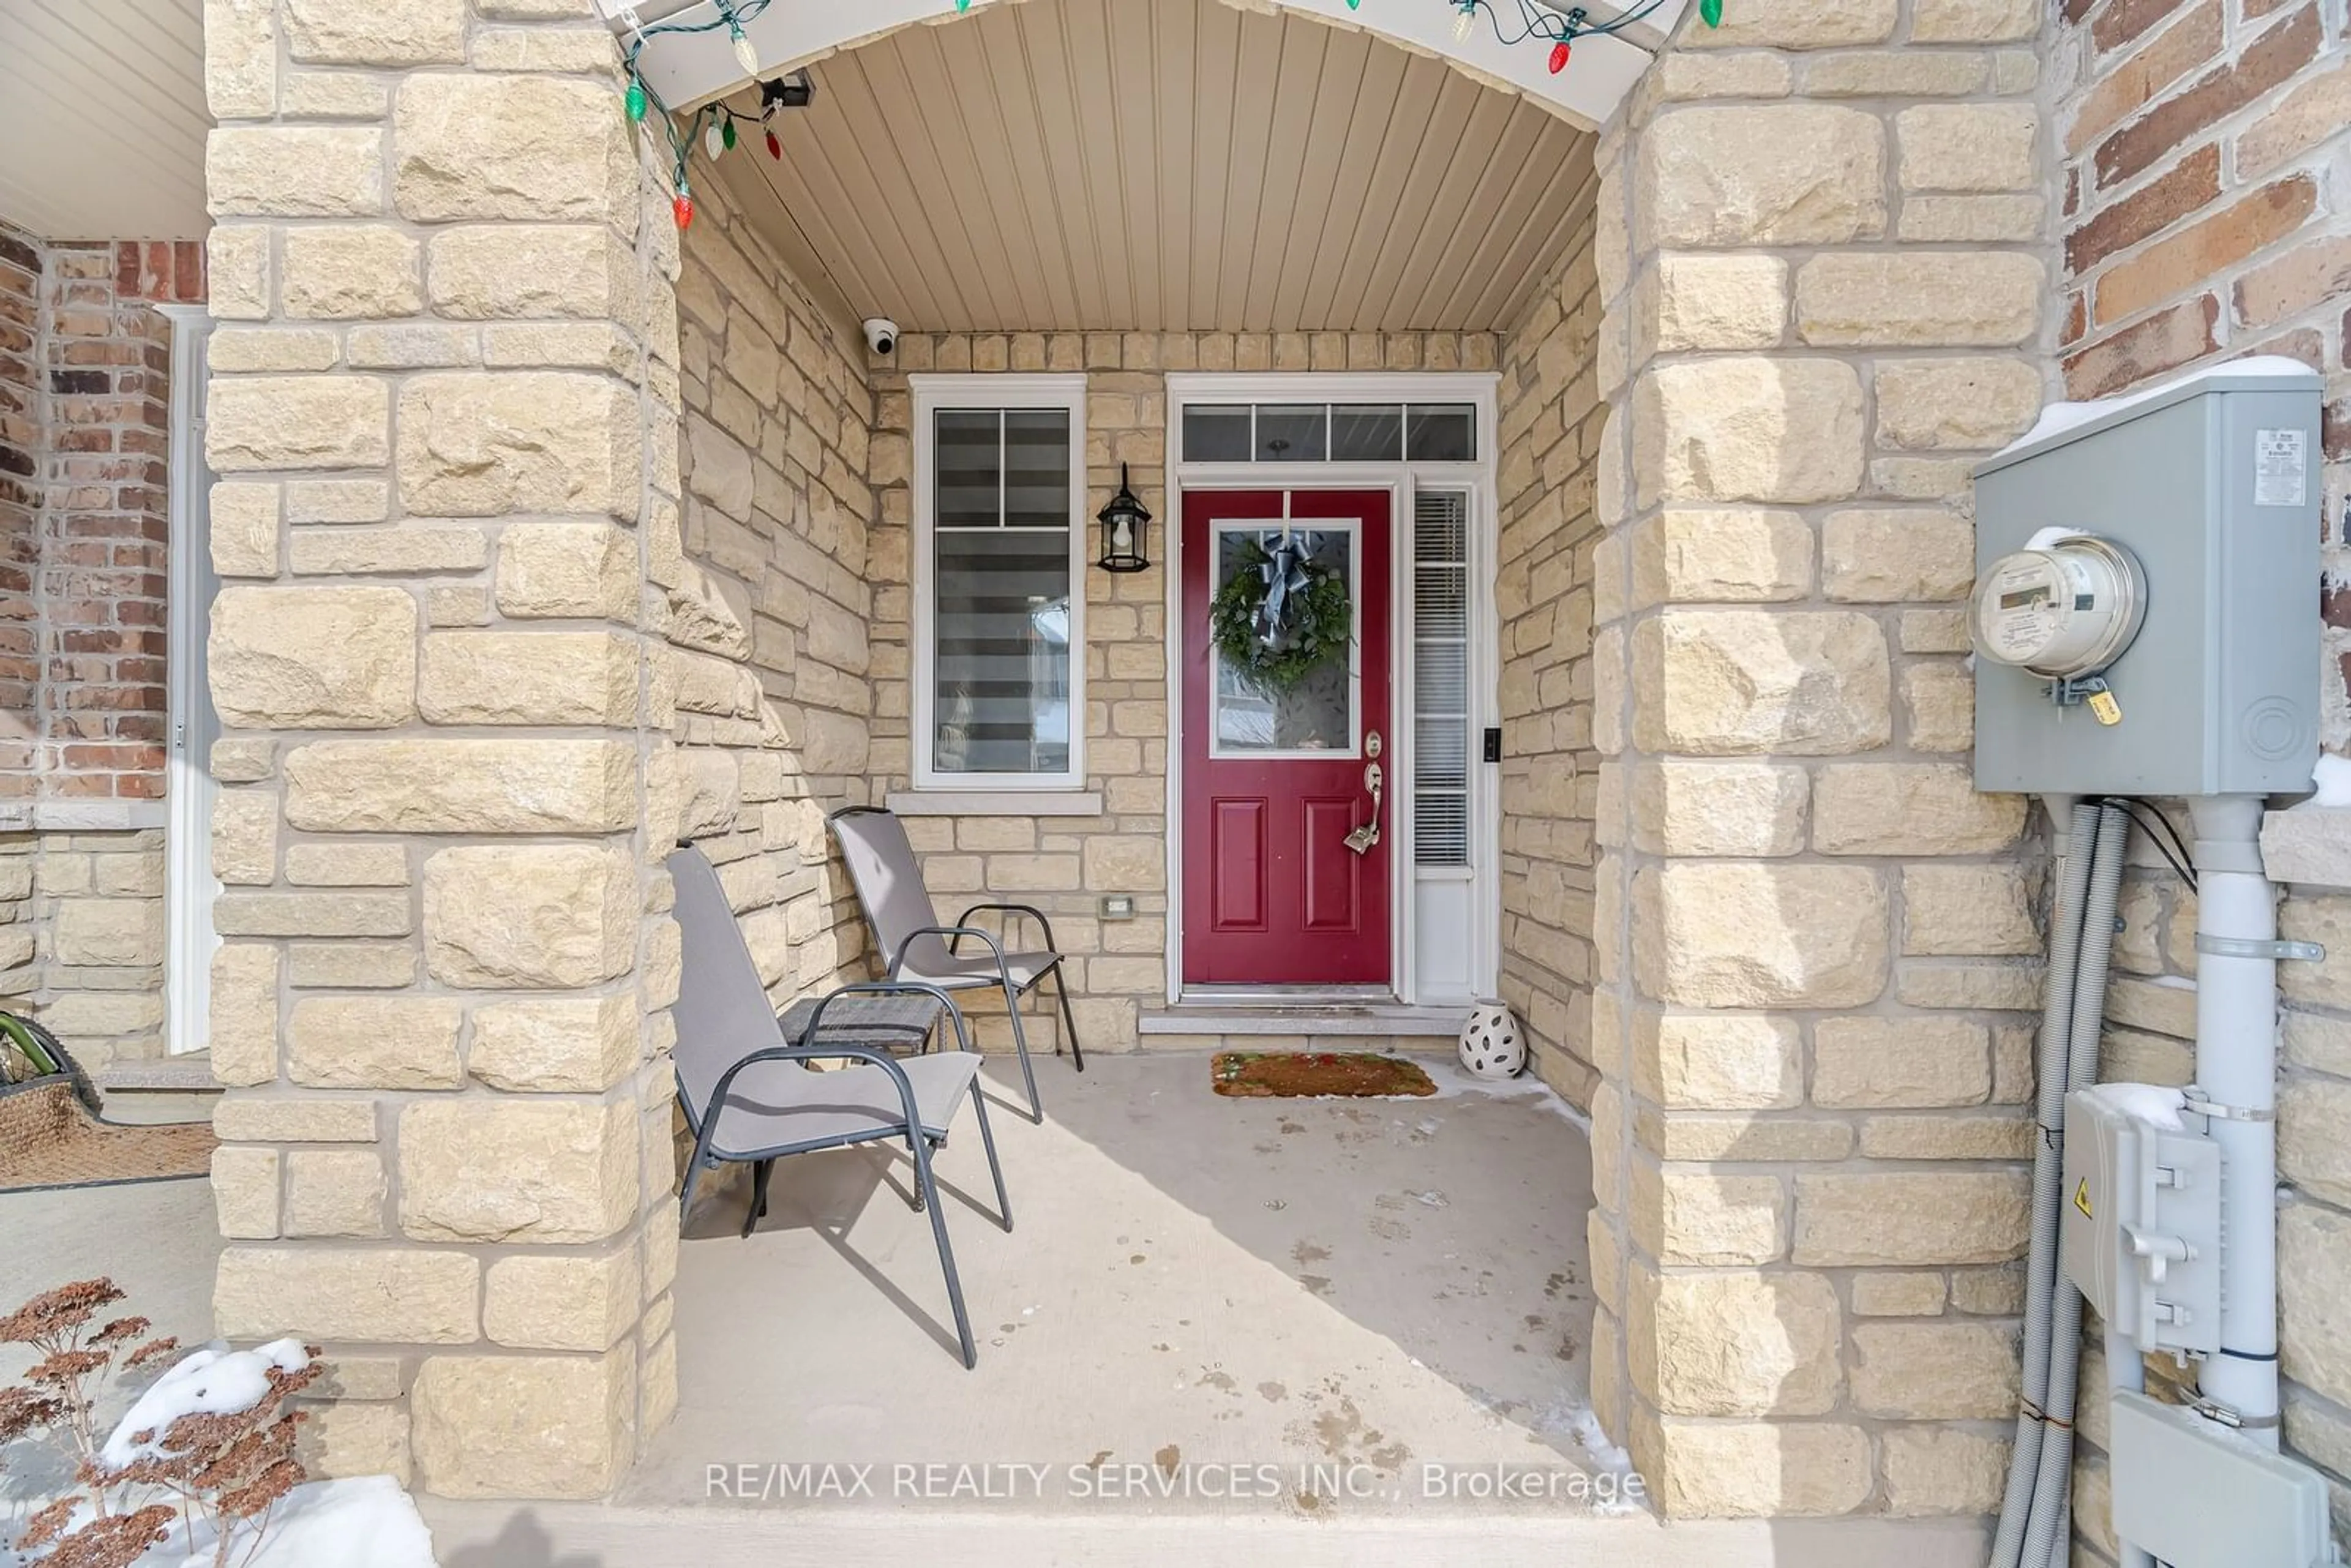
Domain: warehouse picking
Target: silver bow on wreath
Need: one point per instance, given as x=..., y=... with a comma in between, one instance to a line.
x=1287, y=580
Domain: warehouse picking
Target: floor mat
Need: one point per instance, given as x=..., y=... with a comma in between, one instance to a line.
x=1305, y=1075
x=48, y=1138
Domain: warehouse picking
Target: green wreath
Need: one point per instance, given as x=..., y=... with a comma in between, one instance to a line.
x=1322, y=622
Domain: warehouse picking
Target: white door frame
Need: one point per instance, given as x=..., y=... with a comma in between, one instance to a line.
x=1403, y=481
x=189, y=885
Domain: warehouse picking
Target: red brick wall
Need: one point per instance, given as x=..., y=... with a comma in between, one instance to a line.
x=2205, y=198
x=20, y=509
x=2207, y=148
x=85, y=411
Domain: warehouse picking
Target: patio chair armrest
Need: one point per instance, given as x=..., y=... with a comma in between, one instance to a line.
x=1030, y=910
x=890, y=989
x=993, y=947
x=879, y=1059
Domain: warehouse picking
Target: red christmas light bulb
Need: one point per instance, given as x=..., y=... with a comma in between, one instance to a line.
x=682, y=209
x=775, y=148
x=1559, y=54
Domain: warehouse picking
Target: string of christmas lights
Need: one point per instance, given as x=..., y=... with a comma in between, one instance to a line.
x=714, y=124
x=1541, y=23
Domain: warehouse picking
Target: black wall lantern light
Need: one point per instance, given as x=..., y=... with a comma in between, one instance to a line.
x=1125, y=530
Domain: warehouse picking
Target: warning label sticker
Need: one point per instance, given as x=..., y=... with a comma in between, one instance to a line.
x=2081, y=1198
x=2280, y=468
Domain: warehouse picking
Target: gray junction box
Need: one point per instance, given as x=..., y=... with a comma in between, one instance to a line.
x=2212, y=484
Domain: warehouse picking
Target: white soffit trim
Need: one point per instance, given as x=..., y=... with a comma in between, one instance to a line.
x=692, y=68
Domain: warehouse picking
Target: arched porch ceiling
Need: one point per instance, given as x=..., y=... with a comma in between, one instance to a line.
x=1160, y=166
x=692, y=69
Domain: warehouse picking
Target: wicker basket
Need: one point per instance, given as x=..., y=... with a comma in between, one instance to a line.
x=50, y=1135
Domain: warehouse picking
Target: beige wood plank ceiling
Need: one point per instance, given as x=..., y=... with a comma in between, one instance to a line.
x=102, y=119
x=1161, y=166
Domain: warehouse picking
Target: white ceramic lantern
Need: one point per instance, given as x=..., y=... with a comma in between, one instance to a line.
x=1491, y=1045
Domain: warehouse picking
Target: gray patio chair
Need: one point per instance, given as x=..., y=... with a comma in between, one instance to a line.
x=749, y=1096
x=913, y=947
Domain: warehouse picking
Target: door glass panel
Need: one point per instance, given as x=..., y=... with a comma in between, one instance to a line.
x=1315, y=714
x=1292, y=433
x=1367, y=434
x=1215, y=435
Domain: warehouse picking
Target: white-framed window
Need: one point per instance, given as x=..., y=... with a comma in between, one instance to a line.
x=1000, y=582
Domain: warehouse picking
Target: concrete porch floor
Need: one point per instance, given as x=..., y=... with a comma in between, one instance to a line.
x=1289, y=1243
x=1192, y=1281
x=1319, y=1303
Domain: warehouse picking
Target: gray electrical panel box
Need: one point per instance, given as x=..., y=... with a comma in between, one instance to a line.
x=2212, y=484
x=2200, y=1496
x=2139, y=1234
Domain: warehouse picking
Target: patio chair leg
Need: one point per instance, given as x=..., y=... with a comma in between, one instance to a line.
x=987, y=1141
x=947, y=1255
x=1021, y=1045
x=1068, y=1019
x=694, y=1167
x=760, y=1172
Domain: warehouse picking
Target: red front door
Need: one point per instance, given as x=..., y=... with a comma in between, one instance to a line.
x=1286, y=842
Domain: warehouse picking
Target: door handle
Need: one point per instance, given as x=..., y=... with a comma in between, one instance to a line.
x=1363, y=840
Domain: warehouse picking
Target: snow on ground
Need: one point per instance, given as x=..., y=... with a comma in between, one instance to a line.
x=366, y=1521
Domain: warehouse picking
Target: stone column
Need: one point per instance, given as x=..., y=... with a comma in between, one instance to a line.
x=443, y=413
x=1822, y=251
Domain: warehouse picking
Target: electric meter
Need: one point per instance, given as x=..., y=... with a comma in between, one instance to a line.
x=2061, y=609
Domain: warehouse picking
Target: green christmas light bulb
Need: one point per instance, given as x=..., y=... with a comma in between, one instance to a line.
x=1711, y=11
x=636, y=100
x=727, y=133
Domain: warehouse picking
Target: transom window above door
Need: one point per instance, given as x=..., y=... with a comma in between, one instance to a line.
x=1330, y=433
x=998, y=600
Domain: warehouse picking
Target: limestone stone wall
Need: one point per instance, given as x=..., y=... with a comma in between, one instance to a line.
x=443, y=411
x=1552, y=419
x=2204, y=150
x=2313, y=1151
x=97, y=916
x=1064, y=865
x=1821, y=259
x=768, y=604
x=81, y=939
x=18, y=977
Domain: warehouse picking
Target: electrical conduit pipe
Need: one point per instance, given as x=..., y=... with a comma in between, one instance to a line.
x=2073, y=879
x=2049, y=1534
x=2236, y=1068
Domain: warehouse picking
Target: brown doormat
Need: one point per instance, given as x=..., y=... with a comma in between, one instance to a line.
x=1304, y=1075
x=48, y=1138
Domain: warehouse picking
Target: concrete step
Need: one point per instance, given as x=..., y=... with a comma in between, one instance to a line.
x=1257, y=1023
x=163, y=1090
x=722, y=1535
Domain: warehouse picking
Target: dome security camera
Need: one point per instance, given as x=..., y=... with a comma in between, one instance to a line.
x=880, y=334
